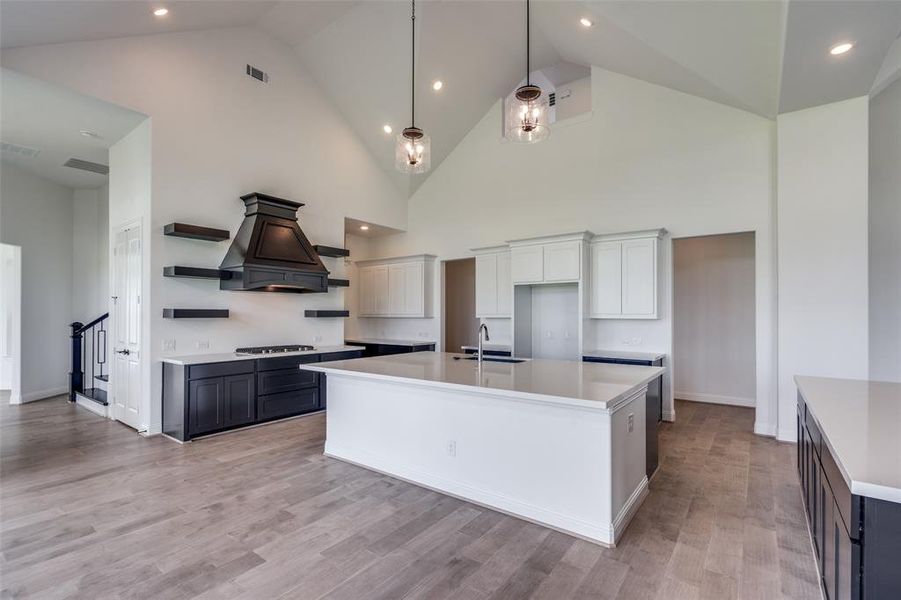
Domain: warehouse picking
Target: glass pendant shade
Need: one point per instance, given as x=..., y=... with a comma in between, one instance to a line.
x=526, y=115
x=412, y=151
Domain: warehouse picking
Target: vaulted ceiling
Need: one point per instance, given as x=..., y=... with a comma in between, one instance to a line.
x=762, y=56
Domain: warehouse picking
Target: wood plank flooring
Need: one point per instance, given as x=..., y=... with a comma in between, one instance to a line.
x=88, y=509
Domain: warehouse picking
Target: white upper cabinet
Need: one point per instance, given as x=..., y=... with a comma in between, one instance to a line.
x=494, y=288
x=548, y=260
x=395, y=287
x=624, y=275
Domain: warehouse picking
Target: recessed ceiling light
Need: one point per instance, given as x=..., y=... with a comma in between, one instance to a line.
x=841, y=48
x=161, y=12
x=364, y=227
x=90, y=134
x=586, y=22
x=437, y=85
x=387, y=129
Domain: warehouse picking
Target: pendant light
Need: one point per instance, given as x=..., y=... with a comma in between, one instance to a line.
x=412, y=153
x=526, y=117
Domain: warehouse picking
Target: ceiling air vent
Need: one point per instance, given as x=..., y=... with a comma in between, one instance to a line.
x=86, y=165
x=16, y=149
x=258, y=73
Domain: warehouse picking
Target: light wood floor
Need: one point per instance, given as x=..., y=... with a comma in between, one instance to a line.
x=91, y=510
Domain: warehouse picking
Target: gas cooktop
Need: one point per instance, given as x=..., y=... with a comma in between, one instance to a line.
x=272, y=349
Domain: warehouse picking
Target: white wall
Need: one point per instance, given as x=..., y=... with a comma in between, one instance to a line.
x=11, y=321
x=822, y=240
x=885, y=240
x=218, y=134
x=36, y=214
x=90, y=263
x=713, y=319
x=646, y=157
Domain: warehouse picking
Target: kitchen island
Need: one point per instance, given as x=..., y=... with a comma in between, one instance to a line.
x=560, y=443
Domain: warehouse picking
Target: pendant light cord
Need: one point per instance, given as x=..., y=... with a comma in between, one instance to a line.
x=413, y=64
x=528, y=30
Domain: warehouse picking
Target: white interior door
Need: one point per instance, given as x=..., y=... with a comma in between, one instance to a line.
x=127, y=328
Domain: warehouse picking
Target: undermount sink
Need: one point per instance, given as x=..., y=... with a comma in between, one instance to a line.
x=500, y=359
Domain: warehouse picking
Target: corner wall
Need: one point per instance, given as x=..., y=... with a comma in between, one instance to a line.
x=822, y=241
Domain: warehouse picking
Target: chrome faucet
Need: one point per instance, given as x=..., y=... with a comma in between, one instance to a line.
x=484, y=328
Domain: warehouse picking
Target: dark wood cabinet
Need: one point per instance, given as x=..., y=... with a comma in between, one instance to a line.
x=380, y=349
x=208, y=398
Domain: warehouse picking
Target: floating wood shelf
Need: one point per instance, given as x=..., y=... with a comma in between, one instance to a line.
x=326, y=313
x=196, y=232
x=339, y=282
x=195, y=313
x=196, y=273
x=331, y=251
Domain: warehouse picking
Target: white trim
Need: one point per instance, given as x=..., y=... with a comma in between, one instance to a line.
x=489, y=250
x=43, y=394
x=668, y=415
x=577, y=236
x=591, y=532
x=632, y=235
x=765, y=429
x=97, y=409
x=629, y=509
x=716, y=399
x=787, y=435
x=424, y=258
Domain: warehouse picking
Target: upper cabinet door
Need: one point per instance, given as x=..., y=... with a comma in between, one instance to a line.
x=397, y=289
x=380, y=290
x=640, y=278
x=487, y=284
x=413, y=290
x=504, y=286
x=562, y=261
x=606, y=279
x=527, y=264
x=365, y=297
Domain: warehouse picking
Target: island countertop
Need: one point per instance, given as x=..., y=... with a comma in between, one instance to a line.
x=590, y=385
x=860, y=421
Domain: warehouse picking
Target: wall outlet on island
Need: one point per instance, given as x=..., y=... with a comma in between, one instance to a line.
x=452, y=448
x=168, y=345
x=203, y=344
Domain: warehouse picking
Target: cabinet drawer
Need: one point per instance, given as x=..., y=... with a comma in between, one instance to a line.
x=273, y=406
x=340, y=355
x=285, y=362
x=285, y=380
x=235, y=367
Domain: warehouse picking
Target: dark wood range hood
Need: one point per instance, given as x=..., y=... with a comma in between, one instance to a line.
x=270, y=253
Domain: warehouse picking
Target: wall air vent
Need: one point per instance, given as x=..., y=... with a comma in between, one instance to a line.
x=259, y=74
x=552, y=99
x=86, y=165
x=17, y=150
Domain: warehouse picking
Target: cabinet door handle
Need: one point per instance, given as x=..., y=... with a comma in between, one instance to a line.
x=125, y=352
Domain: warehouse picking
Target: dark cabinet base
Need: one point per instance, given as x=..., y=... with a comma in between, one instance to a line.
x=374, y=349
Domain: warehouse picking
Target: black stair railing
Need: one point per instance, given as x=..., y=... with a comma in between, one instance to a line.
x=88, y=338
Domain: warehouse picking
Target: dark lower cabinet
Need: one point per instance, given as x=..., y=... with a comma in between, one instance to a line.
x=208, y=398
x=506, y=353
x=856, y=539
x=379, y=349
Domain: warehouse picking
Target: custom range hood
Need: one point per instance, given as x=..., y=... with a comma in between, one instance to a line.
x=270, y=253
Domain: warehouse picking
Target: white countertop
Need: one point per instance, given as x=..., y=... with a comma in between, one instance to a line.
x=624, y=354
x=387, y=341
x=492, y=347
x=861, y=423
x=200, y=359
x=591, y=385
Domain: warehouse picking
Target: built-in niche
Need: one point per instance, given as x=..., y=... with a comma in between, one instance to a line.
x=546, y=321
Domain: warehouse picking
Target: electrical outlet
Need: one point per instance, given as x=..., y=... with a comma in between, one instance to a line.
x=631, y=422
x=636, y=341
x=317, y=338
x=203, y=344
x=452, y=448
x=168, y=345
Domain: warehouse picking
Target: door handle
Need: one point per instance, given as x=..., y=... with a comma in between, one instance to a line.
x=125, y=352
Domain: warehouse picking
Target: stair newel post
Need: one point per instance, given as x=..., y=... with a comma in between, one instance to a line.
x=76, y=375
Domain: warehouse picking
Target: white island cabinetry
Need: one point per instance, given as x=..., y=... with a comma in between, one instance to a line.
x=396, y=287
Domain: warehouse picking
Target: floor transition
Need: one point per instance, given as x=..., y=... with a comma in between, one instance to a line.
x=92, y=510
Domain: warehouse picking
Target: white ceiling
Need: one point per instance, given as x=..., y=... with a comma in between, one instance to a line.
x=764, y=56
x=48, y=117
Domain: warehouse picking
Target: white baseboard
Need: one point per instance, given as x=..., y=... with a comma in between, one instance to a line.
x=44, y=394
x=598, y=533
x=97, y=409
x=668, y=415
x=765, y=429
x=716, y=399
x=787, y=435
x=629, y=509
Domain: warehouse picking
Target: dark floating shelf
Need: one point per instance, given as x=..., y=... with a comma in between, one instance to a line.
x=326, y=313
x=331, y=251
x=339, y=282
x=195, y=313
x=196, y=273
x=196, y=232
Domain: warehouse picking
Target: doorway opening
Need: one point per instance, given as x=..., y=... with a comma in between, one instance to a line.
x=460, y=323
x=10, y=323
x=714, y=324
